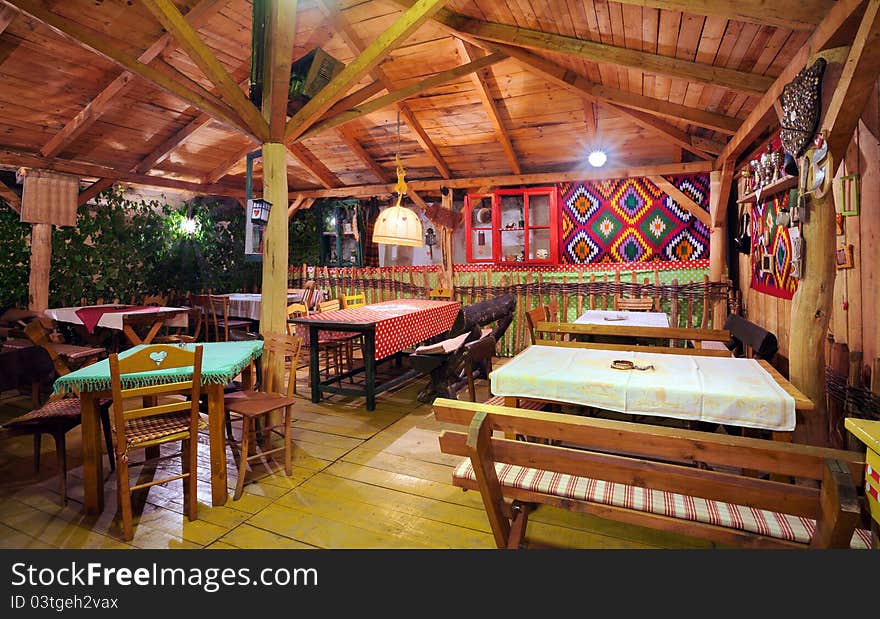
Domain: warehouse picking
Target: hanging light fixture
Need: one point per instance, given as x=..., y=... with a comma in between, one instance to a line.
x=398, y=225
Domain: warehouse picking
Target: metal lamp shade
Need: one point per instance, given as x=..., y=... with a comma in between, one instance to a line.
x=398, y=225
x=260, y=210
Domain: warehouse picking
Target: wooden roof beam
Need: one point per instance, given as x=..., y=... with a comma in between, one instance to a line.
x=198, y=15
x=739, y=81
x=480, y=79
x=13, y=159
x=311, y=163
x=7, y=14
x=346, y=134
x=11, y=197
x=763, y=114
x=682, y=199
x=228, y=164
x=191, y=43
x=400, y=94
x=186, y=90
x=93, y=190
x=511, y=180
x=791, y=14
x=390, y=39
x=357, y=46
x=167, y=147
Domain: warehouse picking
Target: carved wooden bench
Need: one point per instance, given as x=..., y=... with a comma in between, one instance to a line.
x=684, y=481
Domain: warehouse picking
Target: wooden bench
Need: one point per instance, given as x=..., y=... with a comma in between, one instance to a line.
x=683, y=481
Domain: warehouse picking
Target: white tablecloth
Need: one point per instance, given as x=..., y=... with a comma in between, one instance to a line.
x=612, y=317
x=113, y=320
x=723, y=390
x=247, y=305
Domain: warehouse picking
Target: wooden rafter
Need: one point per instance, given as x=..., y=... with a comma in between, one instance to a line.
x=164, y=149
x=481, y=82
x=93, y=190
x=681, y=198
x=6, y=17
x=792, y=14
x=375, y=52
x=279, y=35
x=294, y=206
x=591, y=120
x=860, y=72
x=718, y=207
x=183, y=88
x=189, y=41
x=357, y=46
x=198, y=15
x=511, y=180
x=741, y=81
x=763, y=114
x=311, y=163
x=11, y=197
x=347, y=135
x=14, y=159
x=402, y=93
x=228, y=164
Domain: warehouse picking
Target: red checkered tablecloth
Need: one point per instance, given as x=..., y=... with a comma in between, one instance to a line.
x=398, y=324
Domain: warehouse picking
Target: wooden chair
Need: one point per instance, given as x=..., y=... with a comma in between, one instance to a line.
x=181, y=335
x=635, y=304
x=219, y=305
x=157, y=300
x=533, y=317
x=152, y=425
x=331, y=346
x=57, y=415
x=354, y=300
x=309, y=294
x=252, y=404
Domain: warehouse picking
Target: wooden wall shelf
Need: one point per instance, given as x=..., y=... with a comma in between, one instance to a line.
x=783, y=184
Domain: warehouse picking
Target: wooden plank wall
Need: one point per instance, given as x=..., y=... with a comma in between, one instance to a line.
x=856, y=291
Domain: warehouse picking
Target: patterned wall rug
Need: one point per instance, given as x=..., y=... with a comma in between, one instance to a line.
x=771, y=275
x=631, y=220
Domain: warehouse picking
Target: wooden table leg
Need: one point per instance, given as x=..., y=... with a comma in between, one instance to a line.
x=92, y=454
x=314, y=365
x=217, y=440
x=370, y=368
x=131, y=335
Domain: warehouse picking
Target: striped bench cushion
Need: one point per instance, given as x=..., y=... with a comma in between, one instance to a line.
x=532, y=405
x=763, y=522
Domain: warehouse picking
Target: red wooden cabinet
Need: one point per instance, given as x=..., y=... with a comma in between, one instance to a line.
x=512, y=225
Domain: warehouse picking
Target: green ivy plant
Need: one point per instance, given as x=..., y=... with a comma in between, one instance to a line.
x=15, y=257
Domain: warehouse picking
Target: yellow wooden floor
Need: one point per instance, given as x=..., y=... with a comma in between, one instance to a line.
x=360, y=480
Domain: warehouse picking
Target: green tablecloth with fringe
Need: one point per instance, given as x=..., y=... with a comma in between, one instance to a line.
x=221, y=363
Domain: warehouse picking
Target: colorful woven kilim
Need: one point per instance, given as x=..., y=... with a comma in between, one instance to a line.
x=632, y=220
x=777, y=281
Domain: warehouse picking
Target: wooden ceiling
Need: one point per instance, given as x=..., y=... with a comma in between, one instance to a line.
x=651, y=82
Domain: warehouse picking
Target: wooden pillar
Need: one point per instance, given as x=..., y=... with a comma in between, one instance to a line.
x=41, y=261
x=444, y=276
x=273, y=306
x=720, y=184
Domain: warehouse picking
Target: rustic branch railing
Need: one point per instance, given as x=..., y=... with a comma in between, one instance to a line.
x=689, y=304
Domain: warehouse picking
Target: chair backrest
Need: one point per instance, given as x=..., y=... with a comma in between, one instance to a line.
x=149, y=359
x=533, y=317
x=38, y=334
x=295, y=310
x=329, y=306
x=156, y=299
x=354, y=300
x=219, y=313
x=440, y=293
x=478, y=356
x=309, y=293
x=635, y=304
x=276, y=347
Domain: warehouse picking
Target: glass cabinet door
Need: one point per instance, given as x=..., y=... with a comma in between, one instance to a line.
x=480, y=242
x=538, y=225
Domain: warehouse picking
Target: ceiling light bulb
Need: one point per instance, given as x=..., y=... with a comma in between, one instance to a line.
x=189, y=226
x=597, y=158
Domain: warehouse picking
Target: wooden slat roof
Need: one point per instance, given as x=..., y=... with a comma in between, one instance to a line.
x=46, y=80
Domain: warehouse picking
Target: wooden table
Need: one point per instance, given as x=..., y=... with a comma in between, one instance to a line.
x=124, y=318
x=618, y=317
x=747, y=393
x=222, y=362
x=247, y=304
x=387, y=328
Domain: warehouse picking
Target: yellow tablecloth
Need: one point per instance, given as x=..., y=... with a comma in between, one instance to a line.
x=715, y=389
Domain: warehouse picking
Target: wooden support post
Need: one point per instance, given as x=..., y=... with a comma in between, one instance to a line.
x=41, y=261
x=720, y=184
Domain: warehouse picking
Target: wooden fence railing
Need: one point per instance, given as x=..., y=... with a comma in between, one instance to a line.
x=688, y=303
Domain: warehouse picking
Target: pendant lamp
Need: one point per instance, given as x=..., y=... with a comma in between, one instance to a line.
x=398, y=225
